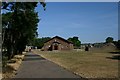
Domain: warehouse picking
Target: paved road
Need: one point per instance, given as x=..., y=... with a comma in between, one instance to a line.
x=34, y=66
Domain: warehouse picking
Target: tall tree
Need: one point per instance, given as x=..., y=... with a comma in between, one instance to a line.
x=19, y=25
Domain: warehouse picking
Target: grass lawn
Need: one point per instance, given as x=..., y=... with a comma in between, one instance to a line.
x=86, y=64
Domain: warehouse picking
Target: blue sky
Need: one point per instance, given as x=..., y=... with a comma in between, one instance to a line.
x=90, y=21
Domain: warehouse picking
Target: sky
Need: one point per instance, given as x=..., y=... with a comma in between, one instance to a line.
x=90, y=21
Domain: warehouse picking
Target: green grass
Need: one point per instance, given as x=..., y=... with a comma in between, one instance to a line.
x=86, y=64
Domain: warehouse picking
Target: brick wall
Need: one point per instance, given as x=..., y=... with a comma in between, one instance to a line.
x=60, y=44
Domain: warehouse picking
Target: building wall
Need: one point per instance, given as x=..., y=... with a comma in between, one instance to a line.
x=61, y=46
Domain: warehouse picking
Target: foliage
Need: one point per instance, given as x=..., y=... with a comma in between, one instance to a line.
x=75, y=41
x=117, y=43
x=39, y=42
x=19, y=25
x=109, y=40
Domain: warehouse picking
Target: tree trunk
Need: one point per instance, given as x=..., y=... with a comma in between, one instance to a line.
x=9, y=52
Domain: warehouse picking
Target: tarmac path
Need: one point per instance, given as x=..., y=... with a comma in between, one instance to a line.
x=35, y=66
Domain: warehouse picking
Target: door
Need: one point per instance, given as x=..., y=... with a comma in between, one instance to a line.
x=55, y=47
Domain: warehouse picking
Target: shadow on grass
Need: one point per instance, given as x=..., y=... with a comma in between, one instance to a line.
x=115, y=52
x=115, y=57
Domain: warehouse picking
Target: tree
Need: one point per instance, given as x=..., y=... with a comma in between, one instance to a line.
x=117, y=44
x=109, y=40
x=39, y=42
x=75, y=41
x=19, y=26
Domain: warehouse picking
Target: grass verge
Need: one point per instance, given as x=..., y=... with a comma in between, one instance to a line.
x=12, y=66
x=86, y=64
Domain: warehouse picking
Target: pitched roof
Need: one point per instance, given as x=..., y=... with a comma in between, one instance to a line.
x=60, y=38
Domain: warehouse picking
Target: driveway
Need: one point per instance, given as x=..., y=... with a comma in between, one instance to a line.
x=35, y=66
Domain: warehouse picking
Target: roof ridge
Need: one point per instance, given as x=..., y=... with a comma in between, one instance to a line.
x=59, y=38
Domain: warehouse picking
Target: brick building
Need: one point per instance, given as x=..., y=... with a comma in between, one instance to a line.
x=57, y=43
